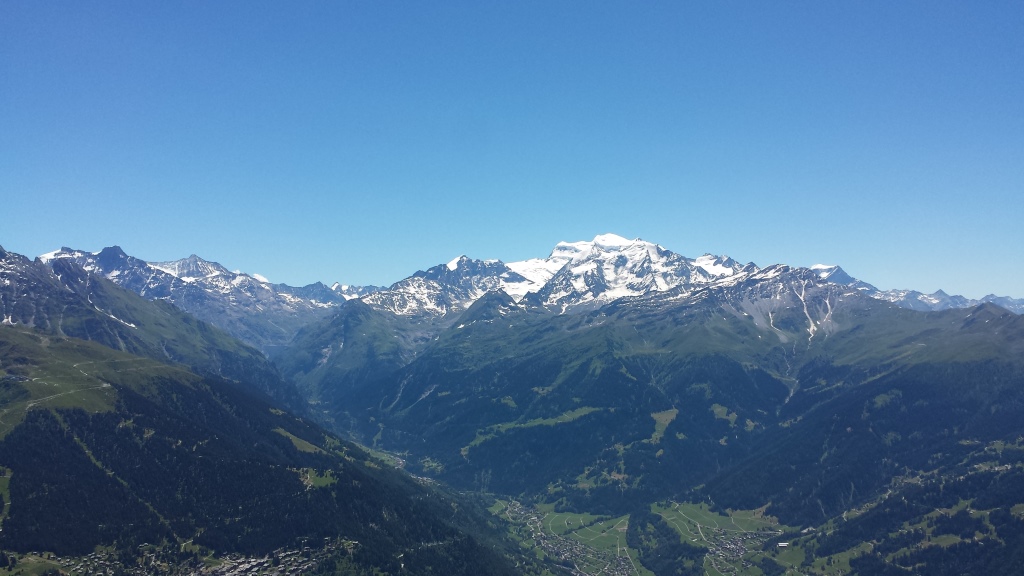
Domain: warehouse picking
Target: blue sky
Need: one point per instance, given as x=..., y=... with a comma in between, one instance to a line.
x=361, y=141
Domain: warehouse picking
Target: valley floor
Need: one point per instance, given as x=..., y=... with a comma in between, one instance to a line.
x=590, y=545
x=581, y=543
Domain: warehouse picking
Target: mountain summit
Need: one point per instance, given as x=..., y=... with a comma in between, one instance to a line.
x=610, y=267
x=192, y=268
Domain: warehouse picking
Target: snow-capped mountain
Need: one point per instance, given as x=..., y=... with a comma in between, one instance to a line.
x=574, y=275
x=611, y=267
x=247, y=306
x=836, y=275
x=445, y=288
x=194, y=268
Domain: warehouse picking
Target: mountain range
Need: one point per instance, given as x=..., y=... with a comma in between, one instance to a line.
x=246, y=306
x=575, y=276
x=612, y=377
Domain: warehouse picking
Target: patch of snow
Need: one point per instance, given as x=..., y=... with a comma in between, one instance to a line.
x=618, y=292
x=612, y=241
x=711, y=265
x=172, y=270
x=537, y=270
x=454, y=264
x=128, y=324
x=824, y=270
x=584, y=268
x=46, y=258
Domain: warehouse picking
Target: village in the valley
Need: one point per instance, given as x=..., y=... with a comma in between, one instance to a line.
x=572, y=554
x=596, y=545
x=281, y=562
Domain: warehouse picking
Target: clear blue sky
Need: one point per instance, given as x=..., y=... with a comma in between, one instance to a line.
x=359, y=141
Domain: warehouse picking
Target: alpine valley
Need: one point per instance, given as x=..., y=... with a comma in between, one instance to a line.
x=619, y=407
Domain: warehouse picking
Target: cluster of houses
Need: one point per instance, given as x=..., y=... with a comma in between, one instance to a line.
x=282, y=562
x=95, y=563
x=728, y=548
x=567, y=552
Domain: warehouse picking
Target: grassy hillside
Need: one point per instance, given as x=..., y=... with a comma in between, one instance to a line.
x=104, y=448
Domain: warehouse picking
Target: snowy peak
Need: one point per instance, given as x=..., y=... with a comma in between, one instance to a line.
x=454, y=264
x=464, y=270
x=717, y=266
x=603, y=243
x=824, y=270
x=192, y=268
x=612, y=241
x=65, y=252
x=836, y=275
